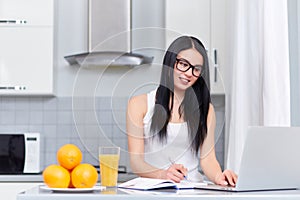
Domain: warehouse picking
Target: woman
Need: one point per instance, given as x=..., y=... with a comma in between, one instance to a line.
x=171, y=129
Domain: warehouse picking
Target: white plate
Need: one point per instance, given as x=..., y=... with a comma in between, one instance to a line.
x=95, y=188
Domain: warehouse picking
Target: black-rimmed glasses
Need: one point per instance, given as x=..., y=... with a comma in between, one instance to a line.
x=184, y=65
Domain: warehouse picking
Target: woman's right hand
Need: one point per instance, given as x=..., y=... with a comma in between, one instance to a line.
x=176, y=173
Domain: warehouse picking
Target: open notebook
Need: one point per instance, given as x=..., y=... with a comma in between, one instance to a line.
x=270, y=160
x=151, y=184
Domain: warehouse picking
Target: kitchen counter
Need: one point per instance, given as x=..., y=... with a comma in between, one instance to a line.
x=36, y=193
x=21, y=178
x=122, y=177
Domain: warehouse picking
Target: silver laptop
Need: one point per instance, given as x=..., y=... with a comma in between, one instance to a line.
x=270, y=160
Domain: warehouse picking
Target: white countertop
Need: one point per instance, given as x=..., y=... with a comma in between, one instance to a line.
x=36, y=193
x=122, y=177
x=21, y=178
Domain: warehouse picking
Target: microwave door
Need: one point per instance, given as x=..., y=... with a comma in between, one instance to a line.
x=12, y=153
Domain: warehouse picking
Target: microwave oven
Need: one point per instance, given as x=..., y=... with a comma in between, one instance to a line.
x=19, y=153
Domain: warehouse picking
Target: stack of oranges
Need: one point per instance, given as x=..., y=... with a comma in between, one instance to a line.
x=70, y=172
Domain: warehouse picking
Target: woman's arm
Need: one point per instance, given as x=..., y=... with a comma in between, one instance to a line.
x=136, y=110
x=208, y=160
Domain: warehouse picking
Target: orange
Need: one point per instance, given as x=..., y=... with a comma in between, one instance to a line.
x=84, y=176
x=69, y=156
x=56, y=176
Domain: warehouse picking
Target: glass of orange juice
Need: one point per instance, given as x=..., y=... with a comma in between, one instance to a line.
x=109, y=164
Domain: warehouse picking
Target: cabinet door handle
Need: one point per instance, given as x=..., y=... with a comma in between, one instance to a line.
x=12, y=88
x=12, y=21
x=215, y=53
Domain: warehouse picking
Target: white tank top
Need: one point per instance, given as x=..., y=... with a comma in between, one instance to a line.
x=177, y=148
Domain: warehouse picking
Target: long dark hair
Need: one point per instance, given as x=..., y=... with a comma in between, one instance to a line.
x=195, y=104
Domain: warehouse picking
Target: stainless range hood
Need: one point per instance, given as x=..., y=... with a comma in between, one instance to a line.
x=106, y=58
x=109, y=36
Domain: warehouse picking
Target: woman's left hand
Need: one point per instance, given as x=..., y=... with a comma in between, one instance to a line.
x=227, y=177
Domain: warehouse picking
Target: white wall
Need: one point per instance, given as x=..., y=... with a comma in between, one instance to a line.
x=72, y=37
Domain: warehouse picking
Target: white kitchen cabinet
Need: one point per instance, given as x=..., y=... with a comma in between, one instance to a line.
x=220, y=40
x=9, y=190
x=190, y=18
x=203, y=19
x=26, y=50
x=35, y=12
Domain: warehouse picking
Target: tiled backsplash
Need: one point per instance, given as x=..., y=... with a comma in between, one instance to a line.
x=86, y=122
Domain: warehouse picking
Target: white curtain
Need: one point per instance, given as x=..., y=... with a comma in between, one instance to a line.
x=258, y=86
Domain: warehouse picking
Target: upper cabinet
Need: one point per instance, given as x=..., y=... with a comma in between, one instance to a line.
x=189, y=18
x=26, y=50
x=205, y=20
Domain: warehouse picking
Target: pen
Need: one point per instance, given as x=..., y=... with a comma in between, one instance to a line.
x=172, y=163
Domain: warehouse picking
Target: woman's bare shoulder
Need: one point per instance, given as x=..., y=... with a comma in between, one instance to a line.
x=140, y=99
x=211, y=108
x=138, y=102
x=211, y=114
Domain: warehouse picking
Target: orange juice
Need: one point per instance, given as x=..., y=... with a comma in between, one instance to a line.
x=109, y=169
